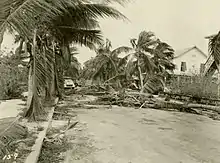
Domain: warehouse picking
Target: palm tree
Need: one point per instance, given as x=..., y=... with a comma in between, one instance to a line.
x=150, y=56
x=64, y=22
x=214, y=50
x=82, y=29
x=106, y=65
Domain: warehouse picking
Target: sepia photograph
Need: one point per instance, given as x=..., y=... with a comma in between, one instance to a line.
x=109, y=81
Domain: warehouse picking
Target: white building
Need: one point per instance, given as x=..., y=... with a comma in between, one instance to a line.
x=189, y=61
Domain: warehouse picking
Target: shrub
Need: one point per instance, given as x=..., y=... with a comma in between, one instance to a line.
x=12, y=78
x=195, y=86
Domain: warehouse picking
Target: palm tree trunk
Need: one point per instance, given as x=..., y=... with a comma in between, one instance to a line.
x=34, y=107
x=65, y=51
x=30, y=85
x=31, y=81
x=56, y=89
x=140, y=75
x=59, y=82
x=50, y=87
x=30, y=77
x=218, y=66
x=2, y=35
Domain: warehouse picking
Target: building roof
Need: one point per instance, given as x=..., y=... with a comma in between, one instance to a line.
x=179, y=53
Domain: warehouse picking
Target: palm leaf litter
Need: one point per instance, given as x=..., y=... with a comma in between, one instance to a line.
x=10, y=131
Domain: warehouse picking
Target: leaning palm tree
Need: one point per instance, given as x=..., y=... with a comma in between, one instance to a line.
x=214, y=50
x=65, y=22
x=148, y=56
x=83, y=29
x=106, y=66
x=103, y=65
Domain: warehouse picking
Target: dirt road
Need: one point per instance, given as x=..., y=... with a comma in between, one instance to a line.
x=126, y=135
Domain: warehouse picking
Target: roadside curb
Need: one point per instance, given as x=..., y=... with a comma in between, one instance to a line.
x=36, y=149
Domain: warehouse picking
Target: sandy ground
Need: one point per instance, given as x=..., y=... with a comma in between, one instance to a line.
x=126, y=135
x=11, y=108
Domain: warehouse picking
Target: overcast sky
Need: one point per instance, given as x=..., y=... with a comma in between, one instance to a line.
x=181, y=23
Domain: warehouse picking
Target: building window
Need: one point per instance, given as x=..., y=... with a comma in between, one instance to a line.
x=183, y=66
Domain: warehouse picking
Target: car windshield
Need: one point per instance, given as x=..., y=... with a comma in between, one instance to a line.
x=68, y=81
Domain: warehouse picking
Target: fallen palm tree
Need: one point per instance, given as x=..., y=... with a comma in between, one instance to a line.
x=143, y=100
x=188, y=97
x=159, y=104
x=123, y=98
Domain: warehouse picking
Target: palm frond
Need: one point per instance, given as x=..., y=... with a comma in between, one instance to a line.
x=82, y=19
x=84, y=37
x=123, y=49
x=2, y=31
x=154, y=84
x=121, y=2
x=25, y=15
x=131, y=65
x=100, y=10
x=167, y=65
x=100, y=63
x=145, y=37
x=101, y=67
x=77, y=19
x=10, y=131
x=147, y=64
x=123, y=61
x=89, y=69
x=214, y=48
x=113, y=64
x=162, y=46
x=21, y=12
x=163, y=50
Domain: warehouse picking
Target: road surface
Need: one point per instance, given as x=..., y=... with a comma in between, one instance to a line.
x=11, y=108
x=126, y=135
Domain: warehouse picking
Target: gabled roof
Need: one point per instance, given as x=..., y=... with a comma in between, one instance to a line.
x=179, y=53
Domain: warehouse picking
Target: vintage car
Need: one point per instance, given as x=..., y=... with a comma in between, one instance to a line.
x=68, y=83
